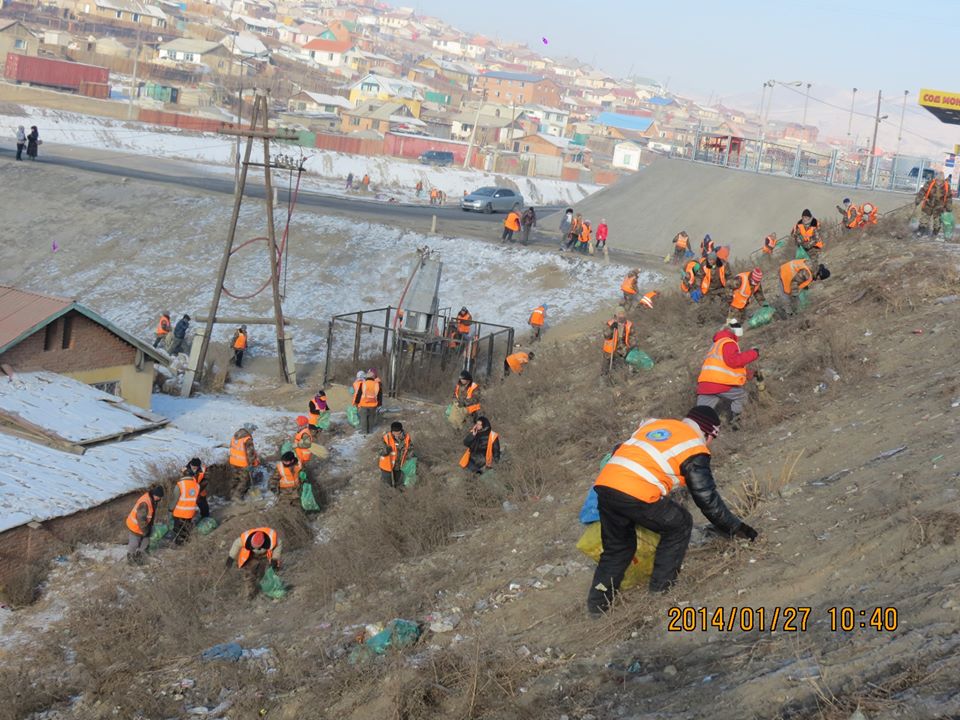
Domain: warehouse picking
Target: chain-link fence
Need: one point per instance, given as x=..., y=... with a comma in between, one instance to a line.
x=900, y=173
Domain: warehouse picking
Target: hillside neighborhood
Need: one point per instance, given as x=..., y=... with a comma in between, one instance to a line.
x=353, y=76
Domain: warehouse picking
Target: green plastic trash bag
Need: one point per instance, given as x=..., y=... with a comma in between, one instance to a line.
x=802, y=254
x=803, y=300
x=639, y=359
x=947, y=220
x=398, y=633
x=272, y=586
x=323, y=420
x=206, y=525
x=761, y=317
x=285, y=448
x=409, y=470
x=160, y=531
x=915, y=222
x=308, y=500
x=353, y=416
x=448, y=410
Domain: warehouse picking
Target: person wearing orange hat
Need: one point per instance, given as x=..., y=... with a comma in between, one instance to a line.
x=253, y=552
x=742, y=288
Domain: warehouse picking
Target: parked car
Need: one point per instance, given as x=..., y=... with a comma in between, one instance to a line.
x=437, y=157
x=492, y=199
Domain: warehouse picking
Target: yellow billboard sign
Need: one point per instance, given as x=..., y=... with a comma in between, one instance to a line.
x=940, y=99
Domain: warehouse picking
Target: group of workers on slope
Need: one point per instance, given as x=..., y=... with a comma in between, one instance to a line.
x=174, y=337
x=577, y=234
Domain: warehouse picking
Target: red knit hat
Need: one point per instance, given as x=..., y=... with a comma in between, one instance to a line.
x=756, y=275
x=258, y=539
x=302, y=420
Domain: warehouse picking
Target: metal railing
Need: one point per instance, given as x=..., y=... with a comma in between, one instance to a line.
x=413, y=361
x=900, y=173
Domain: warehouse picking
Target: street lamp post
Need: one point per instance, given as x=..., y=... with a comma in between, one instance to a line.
x=903, y=110
x=853, y=100
x=806, y=101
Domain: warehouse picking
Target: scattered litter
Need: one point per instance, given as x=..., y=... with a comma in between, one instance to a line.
x=635, y=667
x=398, y=633
x=937, y=459
x=946, y=299
x=186, y=683
x=822, y=387
x=224, y=651
x=889, y=453
x=670, y=670
x=832, y=374
x=918, y=331
x=442, y=623
x=508, y=506
x=867, y=333
x=830, y=478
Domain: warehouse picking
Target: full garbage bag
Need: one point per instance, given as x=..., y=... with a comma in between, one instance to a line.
x=946, y=219
x=639, y=359
x=307, y=499
x=641, y=565
x=323, y=420
x=409, y=470
x=272, y=586
x=159, y=532
x=206, y=525
x=353, y=416
x=761, y=317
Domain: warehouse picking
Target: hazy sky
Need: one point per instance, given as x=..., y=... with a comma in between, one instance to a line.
x=703, y=50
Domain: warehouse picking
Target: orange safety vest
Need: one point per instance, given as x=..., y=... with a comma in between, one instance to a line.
x=537, y=316
x=132, y=523
x=629, y=285
x=769, y=244
x=716, y=370
x=807, y=234
x=647, y=299
x=465, y=458
x=389, y=462
x=463, y=322
x=245, y=553
x=741, y=296
x=585, y=233
x=471, y=389
x=238, y=451
x=512, y=221
x=647, y=466
x=368, y=396
x=852, y=216
x=708, y=276
x=688, y=278
x=163, y=326
x=946, y=192
x=516, y=361
x=303, y=454
x=289, y=476
x=356, y=386
x=610, y=346
x=789, y=270
x=199, y=478
x=186, y=506
x=682, y=241
x=241, y=342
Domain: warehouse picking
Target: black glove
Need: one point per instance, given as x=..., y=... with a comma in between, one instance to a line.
x=758, y=375
x=275, y=564
x=746, y=532
x=229, y=561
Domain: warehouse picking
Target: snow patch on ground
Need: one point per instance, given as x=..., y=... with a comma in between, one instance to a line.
x=326, y=171
x=218, y=417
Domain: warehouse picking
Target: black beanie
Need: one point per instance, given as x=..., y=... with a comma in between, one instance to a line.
x=706, y=417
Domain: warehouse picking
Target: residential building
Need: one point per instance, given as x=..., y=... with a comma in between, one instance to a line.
x=329, y=53
x=381, y=117
x=541, y=145
x=626, y=155
x=200, y=52
x=476, y=48
x=491, y=129
x=449, y=45
x=551, y=121
x=508, y=88
x=618, y=125
x=43, y=332
x=128, y=11
x=386, y=89
x=15, y=38
x=311, y=102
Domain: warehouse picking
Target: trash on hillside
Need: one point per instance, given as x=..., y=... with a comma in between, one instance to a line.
x=353, y=416
x=272, y=586
x=206, y=525
x=230, y=651
x=639, y=359
x=307, y=499
x=159, y=532
x=397, y=634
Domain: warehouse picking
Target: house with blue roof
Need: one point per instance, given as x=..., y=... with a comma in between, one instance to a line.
x=623, y=126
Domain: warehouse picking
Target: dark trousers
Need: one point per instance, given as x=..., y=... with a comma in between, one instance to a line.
x=238, y=358
x=20, y=147
x=392, y=479
x=507, y=234
x=525, y=234
x=159, y=339
x=181, y=530
x=368, y=418
x=572, y=240
x=203, y=506
x=620, y=514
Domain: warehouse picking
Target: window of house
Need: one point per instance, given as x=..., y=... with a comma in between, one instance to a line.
x=67, y=342
x=628, y=159
x=354, y=121
x=519, y=98
x=330, y=57
x=136, y=17
x=111, y=388
x=19, y=44
x=50, y=336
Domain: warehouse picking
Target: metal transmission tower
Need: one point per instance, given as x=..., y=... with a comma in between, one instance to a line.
x=258, y=129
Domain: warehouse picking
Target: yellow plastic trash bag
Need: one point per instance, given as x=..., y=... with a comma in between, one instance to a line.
x=457, y=415
x=641, y=566
x=320, y=451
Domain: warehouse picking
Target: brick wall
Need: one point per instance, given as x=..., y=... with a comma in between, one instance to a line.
x=91, y=347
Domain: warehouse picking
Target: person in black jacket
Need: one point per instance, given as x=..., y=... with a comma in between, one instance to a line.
x=33, y=141
x=633, y=489
x=179, y=344
x=483, y=447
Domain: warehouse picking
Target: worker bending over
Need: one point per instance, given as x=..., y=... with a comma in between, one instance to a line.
x=140, y=524
x=254, y=551
x=516, y=362
x=743, y=287
x=724, y=372
x=618, y=340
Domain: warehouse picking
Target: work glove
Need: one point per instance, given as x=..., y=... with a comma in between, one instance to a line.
x=746, y=532
x=228, y=562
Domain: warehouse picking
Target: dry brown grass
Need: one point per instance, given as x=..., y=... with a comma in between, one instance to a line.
x=755, y=490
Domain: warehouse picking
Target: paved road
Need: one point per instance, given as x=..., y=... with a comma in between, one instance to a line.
x=451, y=221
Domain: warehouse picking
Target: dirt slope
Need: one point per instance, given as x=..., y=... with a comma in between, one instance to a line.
x=646, y=210
x=847, y=465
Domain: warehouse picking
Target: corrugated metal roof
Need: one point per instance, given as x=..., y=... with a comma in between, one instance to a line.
x=623, y=122
x=22, y=312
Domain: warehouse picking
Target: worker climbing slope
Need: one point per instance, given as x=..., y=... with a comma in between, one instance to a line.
x=724, y=372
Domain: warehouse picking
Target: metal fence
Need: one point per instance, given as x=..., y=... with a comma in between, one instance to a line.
x=413, y=362
x=900, y=173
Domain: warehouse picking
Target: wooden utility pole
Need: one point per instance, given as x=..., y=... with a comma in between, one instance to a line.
x=259, y=129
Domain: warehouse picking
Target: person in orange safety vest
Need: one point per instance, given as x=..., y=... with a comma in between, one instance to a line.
x=681, y=243
x=163, y=329
x=629, y=289
x=243, y=458
x=769, y=244
x=537, y=320
x=850, y=215
x=239, y=345
x=183, y=507
x=725, y=373
x=744, y=287
x=466, y=394
x=633, y=490
x=795, y=275
x=482, y=447
x=140, y=524
x=806, y=234
x=511, y=224
x=516, y=362
x=196, y=469
x=303, y=440
x=287, y=476
x=368, y=399
x=394, y=452
x=618, y=340
x=867, y=215
x=933, y=199
x=254, y=551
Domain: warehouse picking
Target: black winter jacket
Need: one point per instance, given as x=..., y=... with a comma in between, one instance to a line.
x=699, y=479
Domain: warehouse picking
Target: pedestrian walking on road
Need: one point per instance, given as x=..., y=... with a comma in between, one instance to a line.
x=566, y=222
x=33, y=141
x=419, y=188
x=349, y=181
x=21, y=142
x=511, y=224
x=365, y=183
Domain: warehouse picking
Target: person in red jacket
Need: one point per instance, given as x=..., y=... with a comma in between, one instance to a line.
x=725, y=373
x=602, y=232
